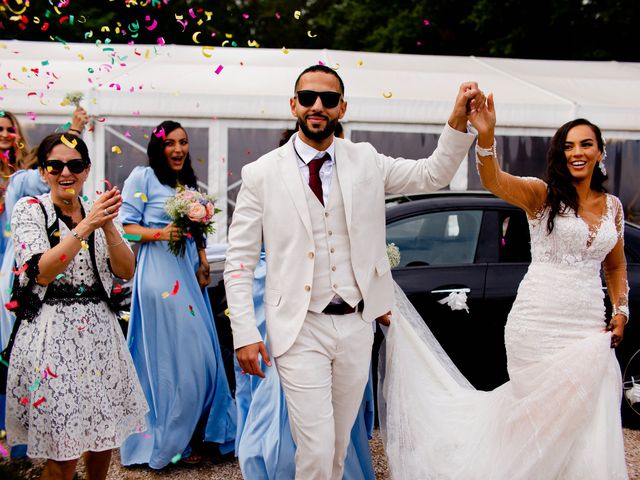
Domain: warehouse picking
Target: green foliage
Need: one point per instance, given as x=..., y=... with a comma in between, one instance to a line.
x=562, y=29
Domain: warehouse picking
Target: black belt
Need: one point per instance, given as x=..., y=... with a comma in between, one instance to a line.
x=343, y=308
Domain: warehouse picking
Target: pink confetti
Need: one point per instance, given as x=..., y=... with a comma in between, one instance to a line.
x=219, y=69
x=153, y=25
x=245, y=16
x=115, y=85
x=32, y=115
x=3, y=451
x=21, y=270
x=12, y=305
x=161, y=41
x=426, y=22
x=24, y=401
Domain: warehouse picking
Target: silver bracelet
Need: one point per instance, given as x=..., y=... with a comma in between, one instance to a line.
x=487, y=152
x=621, y=310
x=76, y=235
x=115, y=244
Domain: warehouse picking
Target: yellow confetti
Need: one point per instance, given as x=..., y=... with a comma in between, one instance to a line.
x=165, y=294
x=81, y=56
x=226, y=312
x=297, y=14
x=142, y=196
x=125, y=317
x=208, y=14
x=179, y=17
x=360, y=63
x=116, y=149
x=311, y=35
x=69, y=144
x=285, y=50
x=387, y=94
x=70, y=190
x=195, y=37
x=228, y=35
x=85, y=245
x=224, y=43
x=205, y=49
x=253, y=43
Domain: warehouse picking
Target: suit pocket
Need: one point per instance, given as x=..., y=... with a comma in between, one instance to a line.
x=383, y=266
x=272, y=297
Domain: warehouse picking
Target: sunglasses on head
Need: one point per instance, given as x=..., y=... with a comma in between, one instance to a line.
x=8, y=129
x=55, y=167
x=307, y=98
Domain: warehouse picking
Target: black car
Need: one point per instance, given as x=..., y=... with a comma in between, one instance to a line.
x=475, y=243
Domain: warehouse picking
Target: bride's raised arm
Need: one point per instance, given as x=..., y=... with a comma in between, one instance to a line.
x=527, y=193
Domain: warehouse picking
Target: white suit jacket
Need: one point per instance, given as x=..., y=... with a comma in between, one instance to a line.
x=272, y=206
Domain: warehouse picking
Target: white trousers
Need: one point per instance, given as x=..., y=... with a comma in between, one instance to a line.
x=323, y=376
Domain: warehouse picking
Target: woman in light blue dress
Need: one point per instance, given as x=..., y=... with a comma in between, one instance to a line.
x=264, y=444
x=172, y=337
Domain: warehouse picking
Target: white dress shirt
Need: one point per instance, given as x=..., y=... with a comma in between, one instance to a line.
x=306, y=153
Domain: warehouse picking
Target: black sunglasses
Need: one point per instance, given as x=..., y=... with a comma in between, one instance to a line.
x=8, y=129
x=307, y=98
x=55, y=167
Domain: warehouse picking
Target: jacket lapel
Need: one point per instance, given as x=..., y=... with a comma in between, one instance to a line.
x=290, y=174
x=345, y=173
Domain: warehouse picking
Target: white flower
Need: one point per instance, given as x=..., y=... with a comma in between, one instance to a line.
x=393, y=252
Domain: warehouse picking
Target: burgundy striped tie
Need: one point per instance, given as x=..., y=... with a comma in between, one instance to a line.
x=314, y=175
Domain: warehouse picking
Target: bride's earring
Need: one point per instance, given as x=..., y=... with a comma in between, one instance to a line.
x=603, y=169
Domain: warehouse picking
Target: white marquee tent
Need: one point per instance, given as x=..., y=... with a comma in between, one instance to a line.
x=222, y=89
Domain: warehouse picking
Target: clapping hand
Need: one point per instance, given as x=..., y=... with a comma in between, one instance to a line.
x=105, y=209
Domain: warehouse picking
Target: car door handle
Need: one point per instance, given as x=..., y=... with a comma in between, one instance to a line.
x=450, y=290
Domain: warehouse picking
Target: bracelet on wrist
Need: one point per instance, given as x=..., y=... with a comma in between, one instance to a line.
x=115, y=244
x=487, y=152
x=621, y=310
x=78, y=236
x=75, y=130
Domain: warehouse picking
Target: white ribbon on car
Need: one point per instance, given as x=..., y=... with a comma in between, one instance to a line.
x=456, y=300
x=633, y=393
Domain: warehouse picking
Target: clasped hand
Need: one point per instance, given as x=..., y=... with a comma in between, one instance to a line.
x=105, y=209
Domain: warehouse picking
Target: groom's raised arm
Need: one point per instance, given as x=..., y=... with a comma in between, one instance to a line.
x=437, y=171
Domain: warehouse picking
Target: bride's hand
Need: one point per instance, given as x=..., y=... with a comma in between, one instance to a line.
x=616, y=327
x=483, y=118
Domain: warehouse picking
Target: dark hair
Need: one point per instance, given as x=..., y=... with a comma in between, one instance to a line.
x=158, y=160
x=50, y=141
x=320, y=68
x=561, y=193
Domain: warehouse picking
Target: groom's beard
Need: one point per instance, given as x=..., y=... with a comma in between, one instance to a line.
x=318, y=135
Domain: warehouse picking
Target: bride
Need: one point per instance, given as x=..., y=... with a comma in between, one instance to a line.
x=559, y=415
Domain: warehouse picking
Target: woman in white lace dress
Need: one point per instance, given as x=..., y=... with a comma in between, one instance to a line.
x=559, y=415
x=71, y=388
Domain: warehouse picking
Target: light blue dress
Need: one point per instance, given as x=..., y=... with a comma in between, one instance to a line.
x=172, y=340
x=264, y=444
x=22, y=183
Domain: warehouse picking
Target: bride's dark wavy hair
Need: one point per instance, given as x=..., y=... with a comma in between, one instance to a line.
x=561, y=194
x=158, y=160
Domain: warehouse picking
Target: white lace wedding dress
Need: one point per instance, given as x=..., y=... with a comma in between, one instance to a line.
x=559, y=415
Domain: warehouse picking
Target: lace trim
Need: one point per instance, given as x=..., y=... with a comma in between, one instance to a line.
x=67, y=294
x=33, y=267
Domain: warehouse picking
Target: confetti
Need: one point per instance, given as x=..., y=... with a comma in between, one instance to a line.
x=156, y=235
x=176, y=458
x=21, y=270
x=50, y=373
x=205, y=49
x=174, y=292
x=311, y=35
x=63, y=258
x=70, y=190
x=191, y=311
x=35, y=385
x=69, y=144
x=387, y=94
x=142, y=196
x=116, y=149
x=12, y=305
x=226, y=312
x=108, y=184
x=39, y=402
x=3, y=451
x=59, y=276
x=285, y=50
x=133, y=238
x=194, y=37
x=426, y=22
x=297, y=14
x=33, y=201
x=219, y=69
x=80, y=292
x=24, y=401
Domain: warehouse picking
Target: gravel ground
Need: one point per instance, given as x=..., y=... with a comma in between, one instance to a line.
x=230, y=470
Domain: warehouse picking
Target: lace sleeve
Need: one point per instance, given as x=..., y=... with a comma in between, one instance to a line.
x=615, y=268
x=528, y=193
x=29, y=235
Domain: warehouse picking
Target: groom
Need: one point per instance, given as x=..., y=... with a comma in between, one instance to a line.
x=318, y=205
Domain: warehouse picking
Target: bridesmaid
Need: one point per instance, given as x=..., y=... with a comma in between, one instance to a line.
x=172, y=338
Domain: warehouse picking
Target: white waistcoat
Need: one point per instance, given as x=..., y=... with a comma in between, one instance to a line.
x=332, y=271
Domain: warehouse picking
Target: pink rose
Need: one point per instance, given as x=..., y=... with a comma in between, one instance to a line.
x=197, y=212
x=210, y=209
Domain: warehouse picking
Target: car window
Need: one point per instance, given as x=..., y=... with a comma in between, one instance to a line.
x=515, y=240
x=436, y=238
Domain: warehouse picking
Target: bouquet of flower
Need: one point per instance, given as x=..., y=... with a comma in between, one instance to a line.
x=192, y=212
x=73, y=98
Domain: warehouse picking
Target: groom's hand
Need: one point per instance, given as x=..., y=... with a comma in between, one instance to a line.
x=248, y=358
